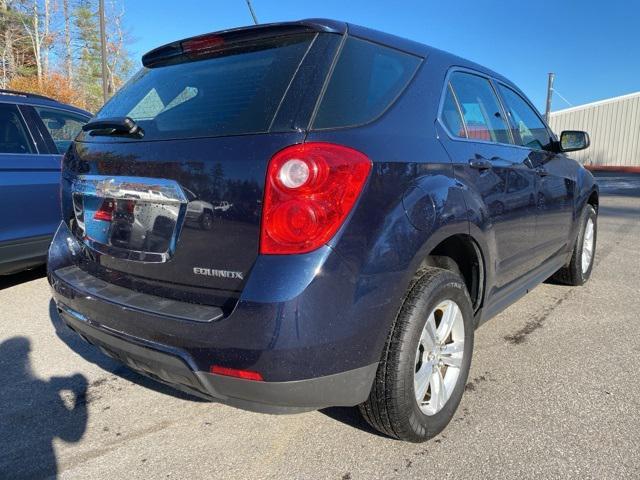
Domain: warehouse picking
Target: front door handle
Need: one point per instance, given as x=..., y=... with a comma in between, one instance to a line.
x=542, y=172
x=480, y=164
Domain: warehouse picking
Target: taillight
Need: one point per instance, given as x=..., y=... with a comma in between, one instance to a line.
x=310, y=190
x=105, y=212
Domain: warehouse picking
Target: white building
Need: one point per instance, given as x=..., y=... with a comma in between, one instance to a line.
x=614, y=128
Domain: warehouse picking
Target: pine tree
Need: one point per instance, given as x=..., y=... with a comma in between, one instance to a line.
x=89, y=69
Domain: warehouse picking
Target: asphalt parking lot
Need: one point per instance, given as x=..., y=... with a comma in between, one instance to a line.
x=553, y=393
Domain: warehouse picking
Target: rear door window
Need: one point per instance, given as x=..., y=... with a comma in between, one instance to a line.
x=62, y=126
x=451, y=115
x=480, y=107
x=235, y=91
x=365, y=82
x=529, y=129
x=14, y=137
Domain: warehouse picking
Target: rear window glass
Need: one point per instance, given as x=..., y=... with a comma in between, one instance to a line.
x=236, y=92
x=366, y=80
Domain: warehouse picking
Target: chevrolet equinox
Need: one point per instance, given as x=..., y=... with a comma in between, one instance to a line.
x=300, y=215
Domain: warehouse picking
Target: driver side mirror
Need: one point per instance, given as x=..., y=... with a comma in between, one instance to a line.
x=574, y=140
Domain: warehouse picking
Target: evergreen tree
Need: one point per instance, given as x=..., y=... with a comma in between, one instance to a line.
x=89, y=69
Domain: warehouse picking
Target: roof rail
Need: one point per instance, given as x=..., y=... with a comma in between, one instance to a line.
x=25, y=94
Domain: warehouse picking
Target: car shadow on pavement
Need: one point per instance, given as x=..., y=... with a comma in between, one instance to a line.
x=34, y=411
x=351, y=416
x=94, y=355
x=8, y=281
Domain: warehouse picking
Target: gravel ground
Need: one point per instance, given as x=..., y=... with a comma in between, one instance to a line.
x=553, y=393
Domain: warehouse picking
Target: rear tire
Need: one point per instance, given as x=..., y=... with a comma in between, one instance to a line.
x=579, y=268
x=399, y=404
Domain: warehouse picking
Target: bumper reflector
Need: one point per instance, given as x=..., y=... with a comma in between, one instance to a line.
x=234, y=372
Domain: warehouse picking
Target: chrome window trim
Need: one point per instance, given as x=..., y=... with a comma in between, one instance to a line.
x=23, y=154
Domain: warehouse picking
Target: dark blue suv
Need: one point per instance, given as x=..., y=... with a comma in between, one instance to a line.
x=300, y=215
x=34, y=133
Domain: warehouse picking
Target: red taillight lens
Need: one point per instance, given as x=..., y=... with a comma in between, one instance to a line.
x=234, y=372
x=310, y=190
x=105, y=212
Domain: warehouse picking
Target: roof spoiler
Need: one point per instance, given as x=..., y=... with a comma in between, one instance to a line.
x=209, y=42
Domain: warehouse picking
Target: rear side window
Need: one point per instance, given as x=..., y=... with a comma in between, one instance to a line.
x=237, y=91
x=63, y=126
x=366, y=80
x=451, y=115
x=13, y=132
x=529, y=130
x=480, y=108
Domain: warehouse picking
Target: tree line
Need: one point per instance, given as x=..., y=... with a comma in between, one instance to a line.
x=52, y=47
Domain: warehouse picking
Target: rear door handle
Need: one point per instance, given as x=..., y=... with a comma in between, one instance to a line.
x=542, y=172
x=480, y=164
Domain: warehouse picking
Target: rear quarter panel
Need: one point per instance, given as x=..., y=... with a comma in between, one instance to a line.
x=410, y=203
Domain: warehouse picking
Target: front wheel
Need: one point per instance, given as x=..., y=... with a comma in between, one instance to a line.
x=425, y=364
x=579, y=268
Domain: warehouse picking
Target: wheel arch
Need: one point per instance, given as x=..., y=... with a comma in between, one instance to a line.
x=461, y=254
x=594, y=199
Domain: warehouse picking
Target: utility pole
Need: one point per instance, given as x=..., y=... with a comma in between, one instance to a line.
x=547, y=112
x=103, y=48
x=253, y=14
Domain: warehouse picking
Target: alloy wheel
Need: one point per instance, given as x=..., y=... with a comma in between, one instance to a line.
x=587, y=245
x=439, y=357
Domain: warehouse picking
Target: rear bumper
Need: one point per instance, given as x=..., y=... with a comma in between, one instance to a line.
x=308, y=361
x=345, y=388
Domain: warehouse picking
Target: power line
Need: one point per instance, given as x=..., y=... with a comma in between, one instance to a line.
x=561, y=97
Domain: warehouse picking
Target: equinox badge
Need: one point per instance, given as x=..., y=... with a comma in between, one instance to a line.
x=211, y=272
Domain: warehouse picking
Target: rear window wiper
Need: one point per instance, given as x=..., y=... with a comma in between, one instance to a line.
x=114, y=126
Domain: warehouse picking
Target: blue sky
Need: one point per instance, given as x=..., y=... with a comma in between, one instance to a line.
x=593, y=46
